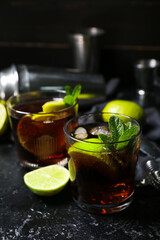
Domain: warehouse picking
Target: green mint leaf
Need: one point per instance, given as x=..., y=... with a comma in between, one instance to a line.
x=69, y=100
x=120, y=132
x=76, y=91
x=130, y=132
x=105, y=139
x=127, y=125
x=116, y=127
x=71, y=94
x=68, y=90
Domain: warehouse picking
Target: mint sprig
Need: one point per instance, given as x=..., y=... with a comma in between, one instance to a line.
x=119, y=132
x=116, y=127
x=72, y=94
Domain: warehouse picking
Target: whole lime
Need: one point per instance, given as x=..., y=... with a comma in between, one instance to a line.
x=126, y=107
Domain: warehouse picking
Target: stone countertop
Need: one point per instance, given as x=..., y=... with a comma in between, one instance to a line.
x=25, y=215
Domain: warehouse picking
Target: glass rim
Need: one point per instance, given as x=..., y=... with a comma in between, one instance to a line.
x=103, y=143
x=9, y=106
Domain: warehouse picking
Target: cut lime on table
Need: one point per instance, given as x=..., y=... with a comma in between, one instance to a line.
x=47, y=181
x=3, y=119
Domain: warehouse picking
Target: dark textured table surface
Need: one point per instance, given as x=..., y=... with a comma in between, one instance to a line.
x=25, y=215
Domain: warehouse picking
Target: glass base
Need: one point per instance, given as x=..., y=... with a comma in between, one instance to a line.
x=33, y=166
x=104, y=209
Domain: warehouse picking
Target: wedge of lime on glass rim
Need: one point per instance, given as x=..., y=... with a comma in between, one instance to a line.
x=48, y=108
x=47, y=181
x=53, y=106
x=3, y=119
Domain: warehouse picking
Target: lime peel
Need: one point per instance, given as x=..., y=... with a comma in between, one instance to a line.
x=86, y=145
x=72, y=169
x=3, y=119
x=47, y=181
x=53, y=106
x=125, y=107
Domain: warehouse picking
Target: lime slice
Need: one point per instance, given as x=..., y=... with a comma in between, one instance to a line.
x=125, y=107
x=88, y=148
x=42, y=117
x=72, y=170
x=47, y=181
x=3, y=102
x=3, y=119
x=37, y=133
x=92, y=156
x=53, y=106
x=86, y=95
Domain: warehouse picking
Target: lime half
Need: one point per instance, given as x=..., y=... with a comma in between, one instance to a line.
x=53, y=106
x=47, y=181
x=3, y=119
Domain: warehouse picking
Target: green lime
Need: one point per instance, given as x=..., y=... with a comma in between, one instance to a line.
x=53, y=106
x=47, y=181
x=3, y=119
x=72, y=170
x=3, y=102
x=92, y=155
x=87, y=145
x=86, y=95
x=41, y=117
x=90, y=147
x=125, y=107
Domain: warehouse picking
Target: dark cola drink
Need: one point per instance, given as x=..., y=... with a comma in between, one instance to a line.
x=39, y=137
x=102, y=180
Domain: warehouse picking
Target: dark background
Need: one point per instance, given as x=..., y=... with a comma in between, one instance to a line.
x=36, y=32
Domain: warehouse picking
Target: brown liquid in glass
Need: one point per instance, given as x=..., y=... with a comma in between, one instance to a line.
x=40, y=142
x=104, y=184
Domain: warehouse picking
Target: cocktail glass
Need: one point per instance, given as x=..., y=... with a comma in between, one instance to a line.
x=39, y=136
x=102, y=177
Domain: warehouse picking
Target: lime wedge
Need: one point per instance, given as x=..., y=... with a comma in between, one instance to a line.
x=72, y=170
x=88, y=146
x=47, y=181
x=3, y=102
x=42, y=117
x=3, y=119
x=92, y=156
x=53, y=106
x=86, y=95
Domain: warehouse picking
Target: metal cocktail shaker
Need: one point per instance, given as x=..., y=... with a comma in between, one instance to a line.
x=85, y=45
x=146, y=76
x=22, y=78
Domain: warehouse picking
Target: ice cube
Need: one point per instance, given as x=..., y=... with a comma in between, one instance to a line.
x=100, y=130
x=81, y=133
